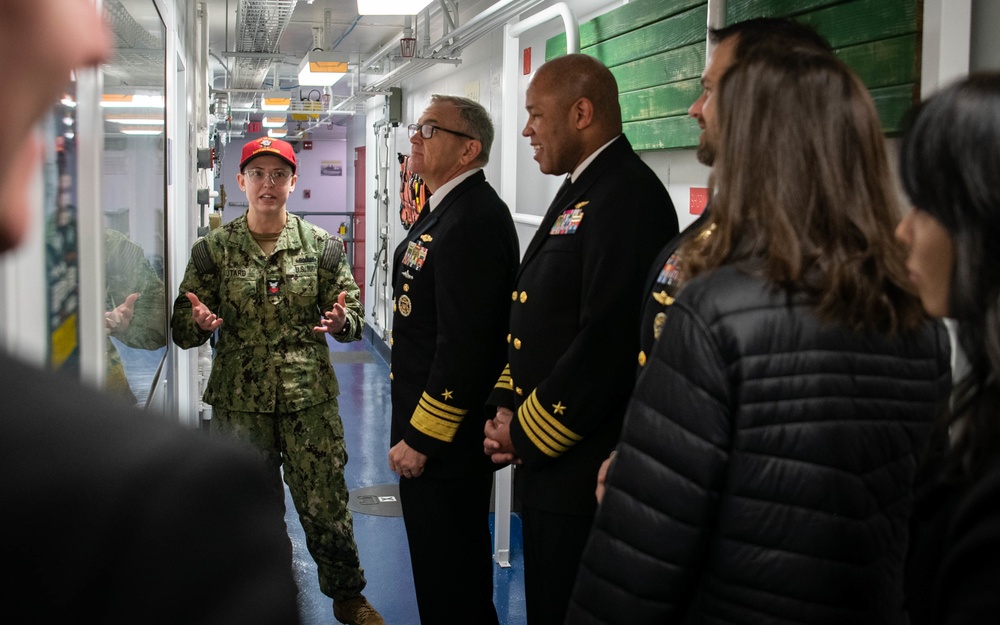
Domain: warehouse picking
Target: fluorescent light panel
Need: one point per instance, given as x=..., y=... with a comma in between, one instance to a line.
x=322, y=69
x=391, y=7
x=277, y=133
x=138, y=120
x=119, y=100
x=142, y=131
x=275, y=101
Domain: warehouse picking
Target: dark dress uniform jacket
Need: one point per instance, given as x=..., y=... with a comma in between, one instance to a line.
x=452, y=277
x=573, y=323
x=662, y=286
x=765, y=470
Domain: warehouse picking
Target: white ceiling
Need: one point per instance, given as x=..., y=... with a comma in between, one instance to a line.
x=348, y=32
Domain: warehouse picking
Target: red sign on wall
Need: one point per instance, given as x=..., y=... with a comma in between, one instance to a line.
x=253, y=126
x=527, y=61
x=698, y=200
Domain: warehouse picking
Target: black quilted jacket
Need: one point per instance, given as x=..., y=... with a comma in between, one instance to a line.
x=765, y=469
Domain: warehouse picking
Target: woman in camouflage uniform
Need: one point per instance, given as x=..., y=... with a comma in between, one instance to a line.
x=273, y=286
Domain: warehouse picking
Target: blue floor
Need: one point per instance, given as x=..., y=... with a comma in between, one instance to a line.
x=365, y=410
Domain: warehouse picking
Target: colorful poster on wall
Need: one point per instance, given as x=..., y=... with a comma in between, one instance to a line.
x=331, y=168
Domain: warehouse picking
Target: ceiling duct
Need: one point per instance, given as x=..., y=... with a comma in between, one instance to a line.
x=138, y=53
x=259, y=25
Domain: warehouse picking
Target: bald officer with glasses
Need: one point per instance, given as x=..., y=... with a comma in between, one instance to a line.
x=274, y=286
x=452, y=276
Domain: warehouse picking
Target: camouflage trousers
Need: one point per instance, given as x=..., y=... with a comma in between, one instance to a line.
x=307, y=446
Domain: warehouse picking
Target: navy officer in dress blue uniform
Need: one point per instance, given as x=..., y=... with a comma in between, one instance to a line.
x=575, y=310
x=452, y=277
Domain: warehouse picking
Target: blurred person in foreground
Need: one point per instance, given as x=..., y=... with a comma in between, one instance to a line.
x=766, y=464
x=452, y=276
x=110, y=515
x=575, y=308
x=949, y=163
x=275, y=286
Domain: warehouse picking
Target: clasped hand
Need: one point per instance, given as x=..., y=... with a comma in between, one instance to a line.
x=498, y=444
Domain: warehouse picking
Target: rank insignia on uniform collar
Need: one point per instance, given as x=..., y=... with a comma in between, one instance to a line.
x=272, y=287
x=568, y=221
x=426, y=238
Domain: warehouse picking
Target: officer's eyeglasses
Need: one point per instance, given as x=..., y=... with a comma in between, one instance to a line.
x=279, y=178
x=427, y=131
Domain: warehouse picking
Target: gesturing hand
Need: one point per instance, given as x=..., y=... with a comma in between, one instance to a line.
x=334, y=319
x=203, y=317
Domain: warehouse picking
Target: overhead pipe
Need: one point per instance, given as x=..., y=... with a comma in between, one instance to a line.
x=482, y=23
x=556, y=10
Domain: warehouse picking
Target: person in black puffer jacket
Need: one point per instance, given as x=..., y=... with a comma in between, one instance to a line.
x=949, y=162
x=766, y=465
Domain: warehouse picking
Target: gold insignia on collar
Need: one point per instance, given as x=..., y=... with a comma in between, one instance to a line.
x=663, y=299
x=558, y=408
x=447, y=394
x=581, y=204
x=426, y=238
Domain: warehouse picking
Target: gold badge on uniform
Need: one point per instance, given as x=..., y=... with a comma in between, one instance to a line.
x=426, y=238
x=658, y=321
x=663, y=298
x=405, y=305
x=569, y=220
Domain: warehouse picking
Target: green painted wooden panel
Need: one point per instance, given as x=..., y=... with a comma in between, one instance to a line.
x=664, y=68
x=676, y=31
x=740, y=10
x=662, y=134
x=884, y=63
x=673, y=32
x=892, y=104
x=619, y=21
x=661, y=101
x=865, y=20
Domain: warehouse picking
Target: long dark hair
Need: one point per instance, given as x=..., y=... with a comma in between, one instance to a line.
x=803, y=188
x=950, y=165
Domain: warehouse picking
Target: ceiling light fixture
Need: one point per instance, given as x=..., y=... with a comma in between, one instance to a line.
x=121, y=100
x=275, y=101
x=277, y=133
x=322, y=69
x=273, y=122
x=391, y=7
x=142, y=131
x=140, y=120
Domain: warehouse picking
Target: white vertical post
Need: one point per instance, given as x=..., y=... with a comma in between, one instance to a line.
x=946, y=36
x=501, y=537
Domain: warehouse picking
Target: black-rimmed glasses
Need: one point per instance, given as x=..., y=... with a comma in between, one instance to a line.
x=427, y=131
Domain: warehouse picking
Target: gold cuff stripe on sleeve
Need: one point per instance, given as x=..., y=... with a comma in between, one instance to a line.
x=550, y=436
x=552, y=425
x=530, y=429
x=443, y=408
x=434, y=422
x=505, y=382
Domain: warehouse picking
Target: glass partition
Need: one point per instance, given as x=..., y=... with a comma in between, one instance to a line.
x=133, y=190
